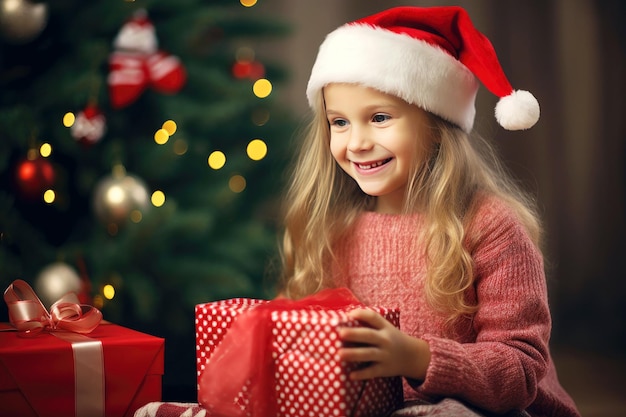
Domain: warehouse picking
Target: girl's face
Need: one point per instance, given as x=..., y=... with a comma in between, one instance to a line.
x=377, y=139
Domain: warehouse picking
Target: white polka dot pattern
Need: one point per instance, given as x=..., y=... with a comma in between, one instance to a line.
x=310, y=380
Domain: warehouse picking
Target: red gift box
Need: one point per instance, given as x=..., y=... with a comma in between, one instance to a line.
x=41, y=375
x=308, y=377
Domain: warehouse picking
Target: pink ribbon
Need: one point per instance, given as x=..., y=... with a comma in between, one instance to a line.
x=29, y=316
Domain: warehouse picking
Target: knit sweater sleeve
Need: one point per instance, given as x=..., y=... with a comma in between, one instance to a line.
x=500, y=371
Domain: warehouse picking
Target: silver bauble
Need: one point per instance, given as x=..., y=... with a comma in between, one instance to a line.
x=116, y=197
x=21, y=20
x=56, y=280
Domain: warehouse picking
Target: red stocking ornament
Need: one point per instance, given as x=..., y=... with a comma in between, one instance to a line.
x=137, y=63
x=90, y=125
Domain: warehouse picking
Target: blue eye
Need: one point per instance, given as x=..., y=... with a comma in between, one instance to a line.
x=339, y=122
x=379, y=118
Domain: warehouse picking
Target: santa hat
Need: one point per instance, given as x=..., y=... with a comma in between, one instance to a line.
x=430, y=57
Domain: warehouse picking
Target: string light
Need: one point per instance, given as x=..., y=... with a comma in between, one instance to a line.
x=69, y=119
x=170, y=127
x=49, y=196
x=256, y=150
x=45, y=150
x=262, y=88
x=161, y=136
x=180, y=147
x=108, y=291
x=135, y=216
x=237, y=183
x=158, y=198
x=217, y=159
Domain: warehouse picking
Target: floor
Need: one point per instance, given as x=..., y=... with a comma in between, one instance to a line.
x=596, y=382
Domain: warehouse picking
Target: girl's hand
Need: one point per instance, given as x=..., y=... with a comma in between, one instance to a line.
x=389, y=351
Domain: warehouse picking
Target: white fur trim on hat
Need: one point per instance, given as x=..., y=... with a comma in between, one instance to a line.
x=397, y=64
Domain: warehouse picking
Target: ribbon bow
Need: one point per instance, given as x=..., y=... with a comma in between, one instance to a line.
x=243, y=361
x=29, y=316
x=132, y=72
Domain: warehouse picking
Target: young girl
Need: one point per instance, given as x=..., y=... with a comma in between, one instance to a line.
x=394, y=198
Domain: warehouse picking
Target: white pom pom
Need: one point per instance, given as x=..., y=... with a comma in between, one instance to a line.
x=517, y=111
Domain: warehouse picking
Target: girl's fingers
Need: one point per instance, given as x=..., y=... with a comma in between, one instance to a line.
x=369, y=317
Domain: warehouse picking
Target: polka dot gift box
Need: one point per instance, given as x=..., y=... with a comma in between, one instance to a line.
x=262, y=358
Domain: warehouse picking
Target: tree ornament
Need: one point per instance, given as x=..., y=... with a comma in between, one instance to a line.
x=117, y=196
x=90, y=126
x=33, y=176
x=252, y=70
x=137, y=63
x=56, y=280
x=21, y=21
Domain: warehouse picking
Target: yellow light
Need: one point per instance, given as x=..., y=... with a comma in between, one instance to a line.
x=170, y=127
x=136, y=216
x=45, y=150
x=217, y=159
x=108, y=291
x=161, y=136
x=49, y=196
x=257, y=149
x=69, y=119
x=248, y=3
x=158, y=198
x=180, y=147
x=262, y=88
x=237, y=183
x=97, y=301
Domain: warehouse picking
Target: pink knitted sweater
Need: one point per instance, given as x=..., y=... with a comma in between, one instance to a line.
x=498, y=360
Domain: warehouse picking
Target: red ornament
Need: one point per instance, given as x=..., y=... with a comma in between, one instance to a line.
x=252, y=70
x=90, y=126
x=137, y=64
x=34, y=177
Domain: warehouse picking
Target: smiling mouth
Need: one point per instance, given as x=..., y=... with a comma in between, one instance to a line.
x=372, y=164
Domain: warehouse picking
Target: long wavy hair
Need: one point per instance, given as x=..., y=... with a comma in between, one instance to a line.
x=322, y=202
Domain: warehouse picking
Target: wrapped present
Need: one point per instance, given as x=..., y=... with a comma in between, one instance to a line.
x=280, y=358
x=48, y=370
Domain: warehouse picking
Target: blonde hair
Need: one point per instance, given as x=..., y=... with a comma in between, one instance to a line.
x=322, y=203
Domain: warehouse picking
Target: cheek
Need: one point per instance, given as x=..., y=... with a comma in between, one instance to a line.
x=337, y=149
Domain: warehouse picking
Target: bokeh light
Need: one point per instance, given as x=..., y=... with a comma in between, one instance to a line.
x=170, y=127
x=180, y=147
x=260, y=117
x=262, y=88
x=158, y=198
x=161, y=136
x=248, y=3
x=135, y=216
x=217, y=159
x=108, y=291
x=69, y=119
x=237, y=183
x=49, y=196
x=256, y=150
x=45, y=150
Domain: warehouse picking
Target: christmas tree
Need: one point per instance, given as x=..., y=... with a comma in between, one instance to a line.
x=141, y=159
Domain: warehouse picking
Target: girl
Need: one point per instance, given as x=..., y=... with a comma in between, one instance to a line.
x=393, y=198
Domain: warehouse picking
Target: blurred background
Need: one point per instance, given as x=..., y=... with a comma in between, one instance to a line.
x=151, y=191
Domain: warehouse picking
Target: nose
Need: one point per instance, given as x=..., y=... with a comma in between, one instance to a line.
x=359, y=140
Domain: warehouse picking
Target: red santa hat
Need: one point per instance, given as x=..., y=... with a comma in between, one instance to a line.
x=430, y=57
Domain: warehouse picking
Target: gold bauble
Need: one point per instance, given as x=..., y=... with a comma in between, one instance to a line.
x=116, y=197
x=21, y=20
x=56, y=280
